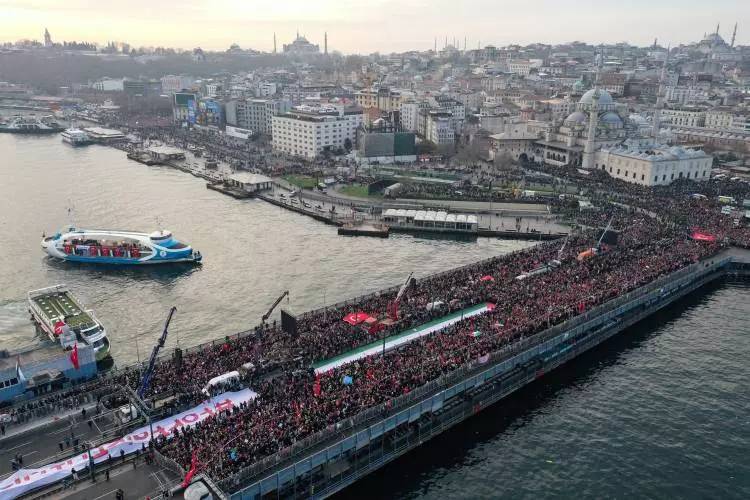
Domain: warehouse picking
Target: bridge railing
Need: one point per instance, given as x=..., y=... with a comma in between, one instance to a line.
x=345, y=427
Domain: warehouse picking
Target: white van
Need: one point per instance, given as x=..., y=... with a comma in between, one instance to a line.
x=221, y=379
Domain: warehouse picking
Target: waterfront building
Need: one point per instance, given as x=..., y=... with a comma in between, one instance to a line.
x=39, y=370
x=309, y=131
x=249, y=182
x=255, y=114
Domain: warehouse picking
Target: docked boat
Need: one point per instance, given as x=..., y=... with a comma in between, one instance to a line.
x=76, y=137
x=31, y=125
x=65, y=320
x=105, y=246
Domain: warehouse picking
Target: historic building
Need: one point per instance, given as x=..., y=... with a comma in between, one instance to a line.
x=598, y=135
x=301, y=46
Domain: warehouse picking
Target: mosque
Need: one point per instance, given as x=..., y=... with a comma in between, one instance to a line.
x=600, y=134
x=301, y=46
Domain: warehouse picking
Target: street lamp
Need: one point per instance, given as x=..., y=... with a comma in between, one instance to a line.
x=91, y=462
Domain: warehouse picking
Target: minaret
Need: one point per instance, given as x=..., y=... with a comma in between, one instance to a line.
x=734, y=35
x=660, y=98
x=717, y=28
x=274, y=42
x=325, y=43
x=47, y=38
x=589, y=148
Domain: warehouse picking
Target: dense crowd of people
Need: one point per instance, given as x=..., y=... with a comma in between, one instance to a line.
x=529, y=291
x=290, y=407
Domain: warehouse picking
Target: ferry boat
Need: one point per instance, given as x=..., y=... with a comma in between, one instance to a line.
x=76, y=137
x=118, y=247
x=65, y=320
x=31, y=125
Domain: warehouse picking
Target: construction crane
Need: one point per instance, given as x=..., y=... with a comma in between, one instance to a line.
x=606, y=230
x=273, y=306
x=558, y=261
x=151, y=362
x=393, y=306
x=590, y=252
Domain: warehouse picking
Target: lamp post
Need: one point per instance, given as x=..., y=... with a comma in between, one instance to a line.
x=91, y=462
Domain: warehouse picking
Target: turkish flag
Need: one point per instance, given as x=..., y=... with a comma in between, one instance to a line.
x=74, y=357
x=191, y=472
x=59, y=327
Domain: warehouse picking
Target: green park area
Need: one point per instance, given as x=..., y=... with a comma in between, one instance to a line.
x=302, y=181
x=358, y=190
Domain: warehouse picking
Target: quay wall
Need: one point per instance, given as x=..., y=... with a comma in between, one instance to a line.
x=327, y=462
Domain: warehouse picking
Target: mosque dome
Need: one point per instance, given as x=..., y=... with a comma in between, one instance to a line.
x=714, y=39
x=637, y=120
x=611, y=118
x=576, y=117
x=604, y=97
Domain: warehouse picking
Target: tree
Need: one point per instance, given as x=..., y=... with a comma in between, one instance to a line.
x=426, y=148
x=503, y=161
x=348, y=144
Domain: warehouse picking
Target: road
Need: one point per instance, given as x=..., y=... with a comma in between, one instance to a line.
x=140, y=482
x=44, y=444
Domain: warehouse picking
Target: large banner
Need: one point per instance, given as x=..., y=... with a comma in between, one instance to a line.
x=25, y=480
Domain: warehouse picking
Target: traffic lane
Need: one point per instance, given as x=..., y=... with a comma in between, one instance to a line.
x=45, y=443
x=144, y=480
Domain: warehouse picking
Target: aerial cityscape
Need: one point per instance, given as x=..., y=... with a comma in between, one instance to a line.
x=293, y=251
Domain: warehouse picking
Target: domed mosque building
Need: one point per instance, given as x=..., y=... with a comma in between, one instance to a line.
x=601, y=135
x=564, y=143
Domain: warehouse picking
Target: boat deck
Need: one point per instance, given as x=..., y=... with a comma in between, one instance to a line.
x=61, y=305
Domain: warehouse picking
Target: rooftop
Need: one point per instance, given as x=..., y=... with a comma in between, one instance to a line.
x=249, y=178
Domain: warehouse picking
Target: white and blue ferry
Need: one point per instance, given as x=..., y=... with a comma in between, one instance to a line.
x=103, y=246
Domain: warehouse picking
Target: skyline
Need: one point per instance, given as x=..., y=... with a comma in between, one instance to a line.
x=252, y=24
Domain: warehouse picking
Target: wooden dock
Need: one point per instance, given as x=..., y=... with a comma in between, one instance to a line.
x=375, y=230
x=228, y=190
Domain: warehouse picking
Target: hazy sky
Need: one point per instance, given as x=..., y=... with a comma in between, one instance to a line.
x=371, y=25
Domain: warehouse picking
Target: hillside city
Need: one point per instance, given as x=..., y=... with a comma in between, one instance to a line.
x=443, y=230
x=646, y=115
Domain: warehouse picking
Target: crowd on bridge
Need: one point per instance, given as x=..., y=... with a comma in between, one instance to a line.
x=526, y=292
x=296, y=404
